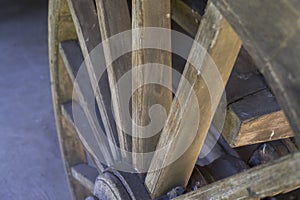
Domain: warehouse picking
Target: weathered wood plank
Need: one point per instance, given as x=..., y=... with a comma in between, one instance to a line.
x=253, y=115
x=85, y=19
x=216, y=36
x=114, y=18
x=254, y=119
x=185, y=16
x=90, y=141
x=154, y=13
x=244, y=80
x=279, y=176
x=86, y=175
x=273, y=41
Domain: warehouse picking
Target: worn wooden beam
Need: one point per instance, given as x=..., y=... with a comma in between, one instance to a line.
x=85, y=19
x=149, y=13
x=273, y=41
x=222, y=44
x=254, y=119
x=253, y=115
x=86, y=175
x=114, y=18
x=244, y=81
x=279, y=176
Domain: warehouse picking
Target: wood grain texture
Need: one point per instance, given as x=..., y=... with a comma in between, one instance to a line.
x=253, y=115
x=216, y=36
x=86, y=22
x=273, y=41
x=254, y=119
x=149, y=13
x=61, y=27
x=279, y=176
x=114, y=18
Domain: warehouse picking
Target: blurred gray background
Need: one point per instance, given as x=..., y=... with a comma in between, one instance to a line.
x=30, y=161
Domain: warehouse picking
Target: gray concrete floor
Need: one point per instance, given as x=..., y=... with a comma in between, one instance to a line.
x=30, y=161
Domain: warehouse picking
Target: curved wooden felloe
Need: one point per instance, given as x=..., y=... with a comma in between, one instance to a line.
x=61, y=28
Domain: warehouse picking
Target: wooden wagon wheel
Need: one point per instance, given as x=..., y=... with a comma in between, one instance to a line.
x=271, y=40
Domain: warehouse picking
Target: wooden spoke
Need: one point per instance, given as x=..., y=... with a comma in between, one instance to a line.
x=273, y=42
x=85, y=19
x=262, y=181
x=114, y=18
x=86, y=175
x=267, y=118
x=148, y=14
x=223, y=45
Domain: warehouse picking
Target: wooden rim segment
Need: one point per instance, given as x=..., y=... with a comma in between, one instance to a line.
x=61, y=28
